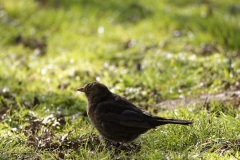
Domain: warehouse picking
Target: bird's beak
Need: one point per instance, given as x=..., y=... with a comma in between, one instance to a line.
x=80, y=89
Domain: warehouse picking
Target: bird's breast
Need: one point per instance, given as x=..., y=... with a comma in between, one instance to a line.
x=90, y=112
x=93, y=116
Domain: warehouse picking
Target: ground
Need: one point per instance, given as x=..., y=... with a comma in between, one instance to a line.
x=156, y=54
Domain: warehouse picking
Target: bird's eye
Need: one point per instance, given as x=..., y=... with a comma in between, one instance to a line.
x=88, y=89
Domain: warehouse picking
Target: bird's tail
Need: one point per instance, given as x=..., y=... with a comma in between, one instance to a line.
x=157, y=121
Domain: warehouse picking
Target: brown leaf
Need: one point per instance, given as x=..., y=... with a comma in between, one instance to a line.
x=33, y=128
x=206, y=49
x=130, y=43
x=39, y=45
x=61, y=155
x=63, y=86
x=3, y=111
x=36, y=101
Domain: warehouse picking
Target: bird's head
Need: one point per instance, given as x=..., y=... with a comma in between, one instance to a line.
x=94, y=91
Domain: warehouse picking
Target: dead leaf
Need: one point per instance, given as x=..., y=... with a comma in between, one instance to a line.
x=3, y=112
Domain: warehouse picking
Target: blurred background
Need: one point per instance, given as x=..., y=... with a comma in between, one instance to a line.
x=147, y=51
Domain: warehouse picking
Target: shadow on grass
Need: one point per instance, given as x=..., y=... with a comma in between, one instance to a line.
x=127, y=11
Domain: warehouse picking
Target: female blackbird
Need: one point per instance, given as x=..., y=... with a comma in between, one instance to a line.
x=116, y=118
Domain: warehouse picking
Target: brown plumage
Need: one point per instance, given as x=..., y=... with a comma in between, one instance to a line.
x=116, y=118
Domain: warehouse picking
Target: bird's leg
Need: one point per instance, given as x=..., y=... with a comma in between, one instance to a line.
x=121, y=146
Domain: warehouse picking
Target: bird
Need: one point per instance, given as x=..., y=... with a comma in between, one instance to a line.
x=116, y=118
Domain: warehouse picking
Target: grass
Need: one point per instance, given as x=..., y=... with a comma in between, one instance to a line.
x=146, y=51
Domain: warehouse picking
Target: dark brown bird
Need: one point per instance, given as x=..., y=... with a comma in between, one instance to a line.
x=116, y=118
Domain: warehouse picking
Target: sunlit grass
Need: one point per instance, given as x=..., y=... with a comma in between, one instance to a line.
x=147, y=50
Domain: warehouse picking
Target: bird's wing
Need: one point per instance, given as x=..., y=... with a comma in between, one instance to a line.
x=118, y=113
